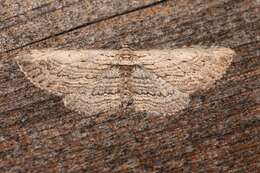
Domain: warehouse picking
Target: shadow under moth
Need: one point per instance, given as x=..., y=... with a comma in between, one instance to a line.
x=111, y=81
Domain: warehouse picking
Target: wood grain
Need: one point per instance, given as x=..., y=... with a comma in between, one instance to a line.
x=219, y=132
x=58, y=17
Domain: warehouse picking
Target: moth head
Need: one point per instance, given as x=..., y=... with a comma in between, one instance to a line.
x=125, y=47
x=125, y=56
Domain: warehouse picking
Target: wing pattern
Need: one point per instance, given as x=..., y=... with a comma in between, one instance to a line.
x=95, y=81
x=153, y=94
x=189, y=69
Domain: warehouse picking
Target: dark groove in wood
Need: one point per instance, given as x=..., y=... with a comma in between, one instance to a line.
x=38, y=15
x=33, y=9
x=84, y=25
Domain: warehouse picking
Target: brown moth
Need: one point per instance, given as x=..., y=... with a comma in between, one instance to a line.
x=110, y=81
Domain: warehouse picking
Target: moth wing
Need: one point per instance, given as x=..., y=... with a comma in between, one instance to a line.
x=64, y=72
x=188, y=69
x=153, y=94
x=104, y=97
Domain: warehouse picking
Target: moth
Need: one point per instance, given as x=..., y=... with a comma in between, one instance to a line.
x=111, y=81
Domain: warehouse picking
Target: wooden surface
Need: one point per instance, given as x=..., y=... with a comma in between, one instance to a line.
x=219, y=132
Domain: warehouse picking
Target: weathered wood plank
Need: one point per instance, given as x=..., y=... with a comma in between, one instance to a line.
x=58, y=17
x=219, y=132
x=13, y=8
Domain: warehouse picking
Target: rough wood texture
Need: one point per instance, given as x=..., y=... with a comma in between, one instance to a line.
x=219, y=132
x=55, y=18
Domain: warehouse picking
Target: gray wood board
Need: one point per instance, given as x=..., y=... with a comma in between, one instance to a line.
x=219, y=132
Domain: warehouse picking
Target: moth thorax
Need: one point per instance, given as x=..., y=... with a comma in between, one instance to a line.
x=125, y=49
x=126, y=58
